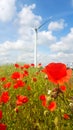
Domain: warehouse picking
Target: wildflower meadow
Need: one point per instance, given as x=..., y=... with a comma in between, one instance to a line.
x=36, y=98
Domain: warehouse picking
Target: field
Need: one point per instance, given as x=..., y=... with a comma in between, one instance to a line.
x=30, y=101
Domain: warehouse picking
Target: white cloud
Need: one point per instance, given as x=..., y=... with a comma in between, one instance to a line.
x=27, y=18
x=65, y=44
x=24, y=57
x=15, y=51
x=46, y=38
x=57, y=25
x=17, y=45
x=7, y=10
x=27, y=21
x=22, y=49
x=55, y=57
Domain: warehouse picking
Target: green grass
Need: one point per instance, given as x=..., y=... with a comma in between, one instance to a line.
x=32, y=115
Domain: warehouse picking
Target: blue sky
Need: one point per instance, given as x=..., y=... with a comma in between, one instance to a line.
x=18, y=18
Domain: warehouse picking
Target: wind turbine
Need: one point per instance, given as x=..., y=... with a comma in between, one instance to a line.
x=36, y=38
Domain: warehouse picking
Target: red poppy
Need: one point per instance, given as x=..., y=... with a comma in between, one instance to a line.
x=5, y=97
x=19, y=103
x=57, y=73
x=20, y=83
x=63, y=88
x=26, y=66
x=32, y=65
x=3, y=126
x=42, y=97
x=28, y=88
x=37, y=73
x=7, y=85
x=22, y=67
x=44, y=103
x=0, y=100
x=39, y=65
x=34, y=79
x=16, y=75
x=2, y=78
x=16, y=65
x=25, y=73
x=0, y=114
x=16, y=110
x=66, y=116
x=15, y=86
x=21, y=99
x=52, y=106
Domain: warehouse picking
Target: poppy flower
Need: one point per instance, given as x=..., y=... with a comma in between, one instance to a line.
x=63, y=88
x=26, y=66
x=0, y=114
x=3, y=126
x=16, y=110
x=20, y=83
x=3, y=79
x=5, y=97
x=19, y=103
x=16, y=65
x=0, y=100
x=7, y=85
x=22, y=67
x=16, y=75
x=52, y=106
x=32, y=65
x=39, y=65
x=57, y=73
x=21, y=99
x=42, y=97
x=25, y=73
x=28, y=88
x=34, y=79
x=66, y=116
x=15, y=86
x=44, y=103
